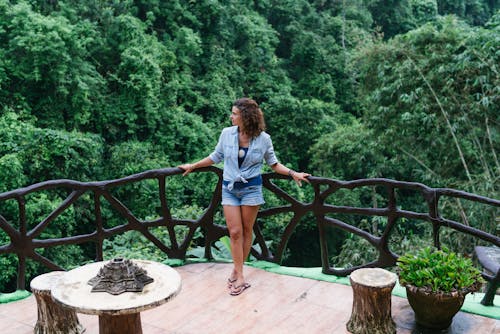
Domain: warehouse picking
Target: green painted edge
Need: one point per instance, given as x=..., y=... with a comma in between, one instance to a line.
x=13, y=296
x=472, y=303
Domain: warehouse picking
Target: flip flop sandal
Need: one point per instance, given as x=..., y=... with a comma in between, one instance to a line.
x=239, y=289
x=230, y=282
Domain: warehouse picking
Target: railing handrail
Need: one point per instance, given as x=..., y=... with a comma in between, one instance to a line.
x=24, y=243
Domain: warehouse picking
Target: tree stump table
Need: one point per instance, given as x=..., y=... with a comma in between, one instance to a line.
x=52, y=317
x=371, y=307
x=118, y=314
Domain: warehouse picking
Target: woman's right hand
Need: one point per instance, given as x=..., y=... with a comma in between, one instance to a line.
x=188, y=168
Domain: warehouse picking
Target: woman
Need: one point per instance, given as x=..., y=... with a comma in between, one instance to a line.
x=243, y=148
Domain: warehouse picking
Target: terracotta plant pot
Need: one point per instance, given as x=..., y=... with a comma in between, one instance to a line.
x=434, y=310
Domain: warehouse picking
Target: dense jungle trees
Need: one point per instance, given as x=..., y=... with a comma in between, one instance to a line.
x=93, y=90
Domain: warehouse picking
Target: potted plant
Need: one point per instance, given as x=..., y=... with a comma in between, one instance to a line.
x=436, y=283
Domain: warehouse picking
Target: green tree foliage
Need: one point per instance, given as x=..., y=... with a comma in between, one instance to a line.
x=396, y=17
x=424, y=11
x=306, y=120
x=46, y=154
x=393, y=16
x=476, y=12
x=347, y=153
x=314, y=43
x=45, y=61
x=436, y=90
x=12, y=176
x=134, y=109
x=93, y=90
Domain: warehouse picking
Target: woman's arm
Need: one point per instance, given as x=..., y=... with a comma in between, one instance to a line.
x=188, y=168
x=298, y=177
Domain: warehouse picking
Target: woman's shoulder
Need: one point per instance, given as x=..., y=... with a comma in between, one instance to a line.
x=264, y=135
x=230, y=129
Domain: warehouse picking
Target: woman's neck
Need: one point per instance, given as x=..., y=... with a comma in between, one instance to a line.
x=243, y=139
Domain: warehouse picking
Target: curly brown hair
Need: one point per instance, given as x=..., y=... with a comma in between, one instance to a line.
x=251, y=115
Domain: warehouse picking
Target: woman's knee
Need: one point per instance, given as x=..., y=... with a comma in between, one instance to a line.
x=235, y=232
x=248, y=228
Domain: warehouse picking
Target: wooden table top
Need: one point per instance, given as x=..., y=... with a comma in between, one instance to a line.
x=72, y=290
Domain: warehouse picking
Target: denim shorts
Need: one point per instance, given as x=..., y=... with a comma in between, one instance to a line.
x=251, y=195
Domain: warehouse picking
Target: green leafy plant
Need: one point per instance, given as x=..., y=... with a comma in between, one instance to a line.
x=439, y=271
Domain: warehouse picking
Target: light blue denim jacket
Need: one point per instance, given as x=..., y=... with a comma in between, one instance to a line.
x=259, y=149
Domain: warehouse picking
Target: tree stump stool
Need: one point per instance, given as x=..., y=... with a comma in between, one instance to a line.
x=52, y=318
x=371, y=307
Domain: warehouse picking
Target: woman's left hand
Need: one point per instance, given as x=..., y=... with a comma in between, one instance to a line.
x=298, y=177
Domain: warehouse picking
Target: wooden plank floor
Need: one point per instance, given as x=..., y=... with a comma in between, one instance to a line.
x=274, y=304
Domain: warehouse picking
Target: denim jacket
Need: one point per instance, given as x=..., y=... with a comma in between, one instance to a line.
x=259, y=149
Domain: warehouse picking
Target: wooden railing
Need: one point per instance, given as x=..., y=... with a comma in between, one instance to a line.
x=24, y=242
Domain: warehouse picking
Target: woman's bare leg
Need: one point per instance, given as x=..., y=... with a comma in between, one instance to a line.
x=248, y=214
x=240, y=221
x=235, y=226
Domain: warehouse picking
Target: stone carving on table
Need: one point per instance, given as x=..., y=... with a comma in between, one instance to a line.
x=120, y=275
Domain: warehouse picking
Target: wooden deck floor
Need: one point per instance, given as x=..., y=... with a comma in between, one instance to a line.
x=274, y=304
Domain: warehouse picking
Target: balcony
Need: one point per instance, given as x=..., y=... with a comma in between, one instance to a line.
x=275, y=303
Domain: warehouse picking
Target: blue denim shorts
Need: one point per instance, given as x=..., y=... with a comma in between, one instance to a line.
x=251, y=195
